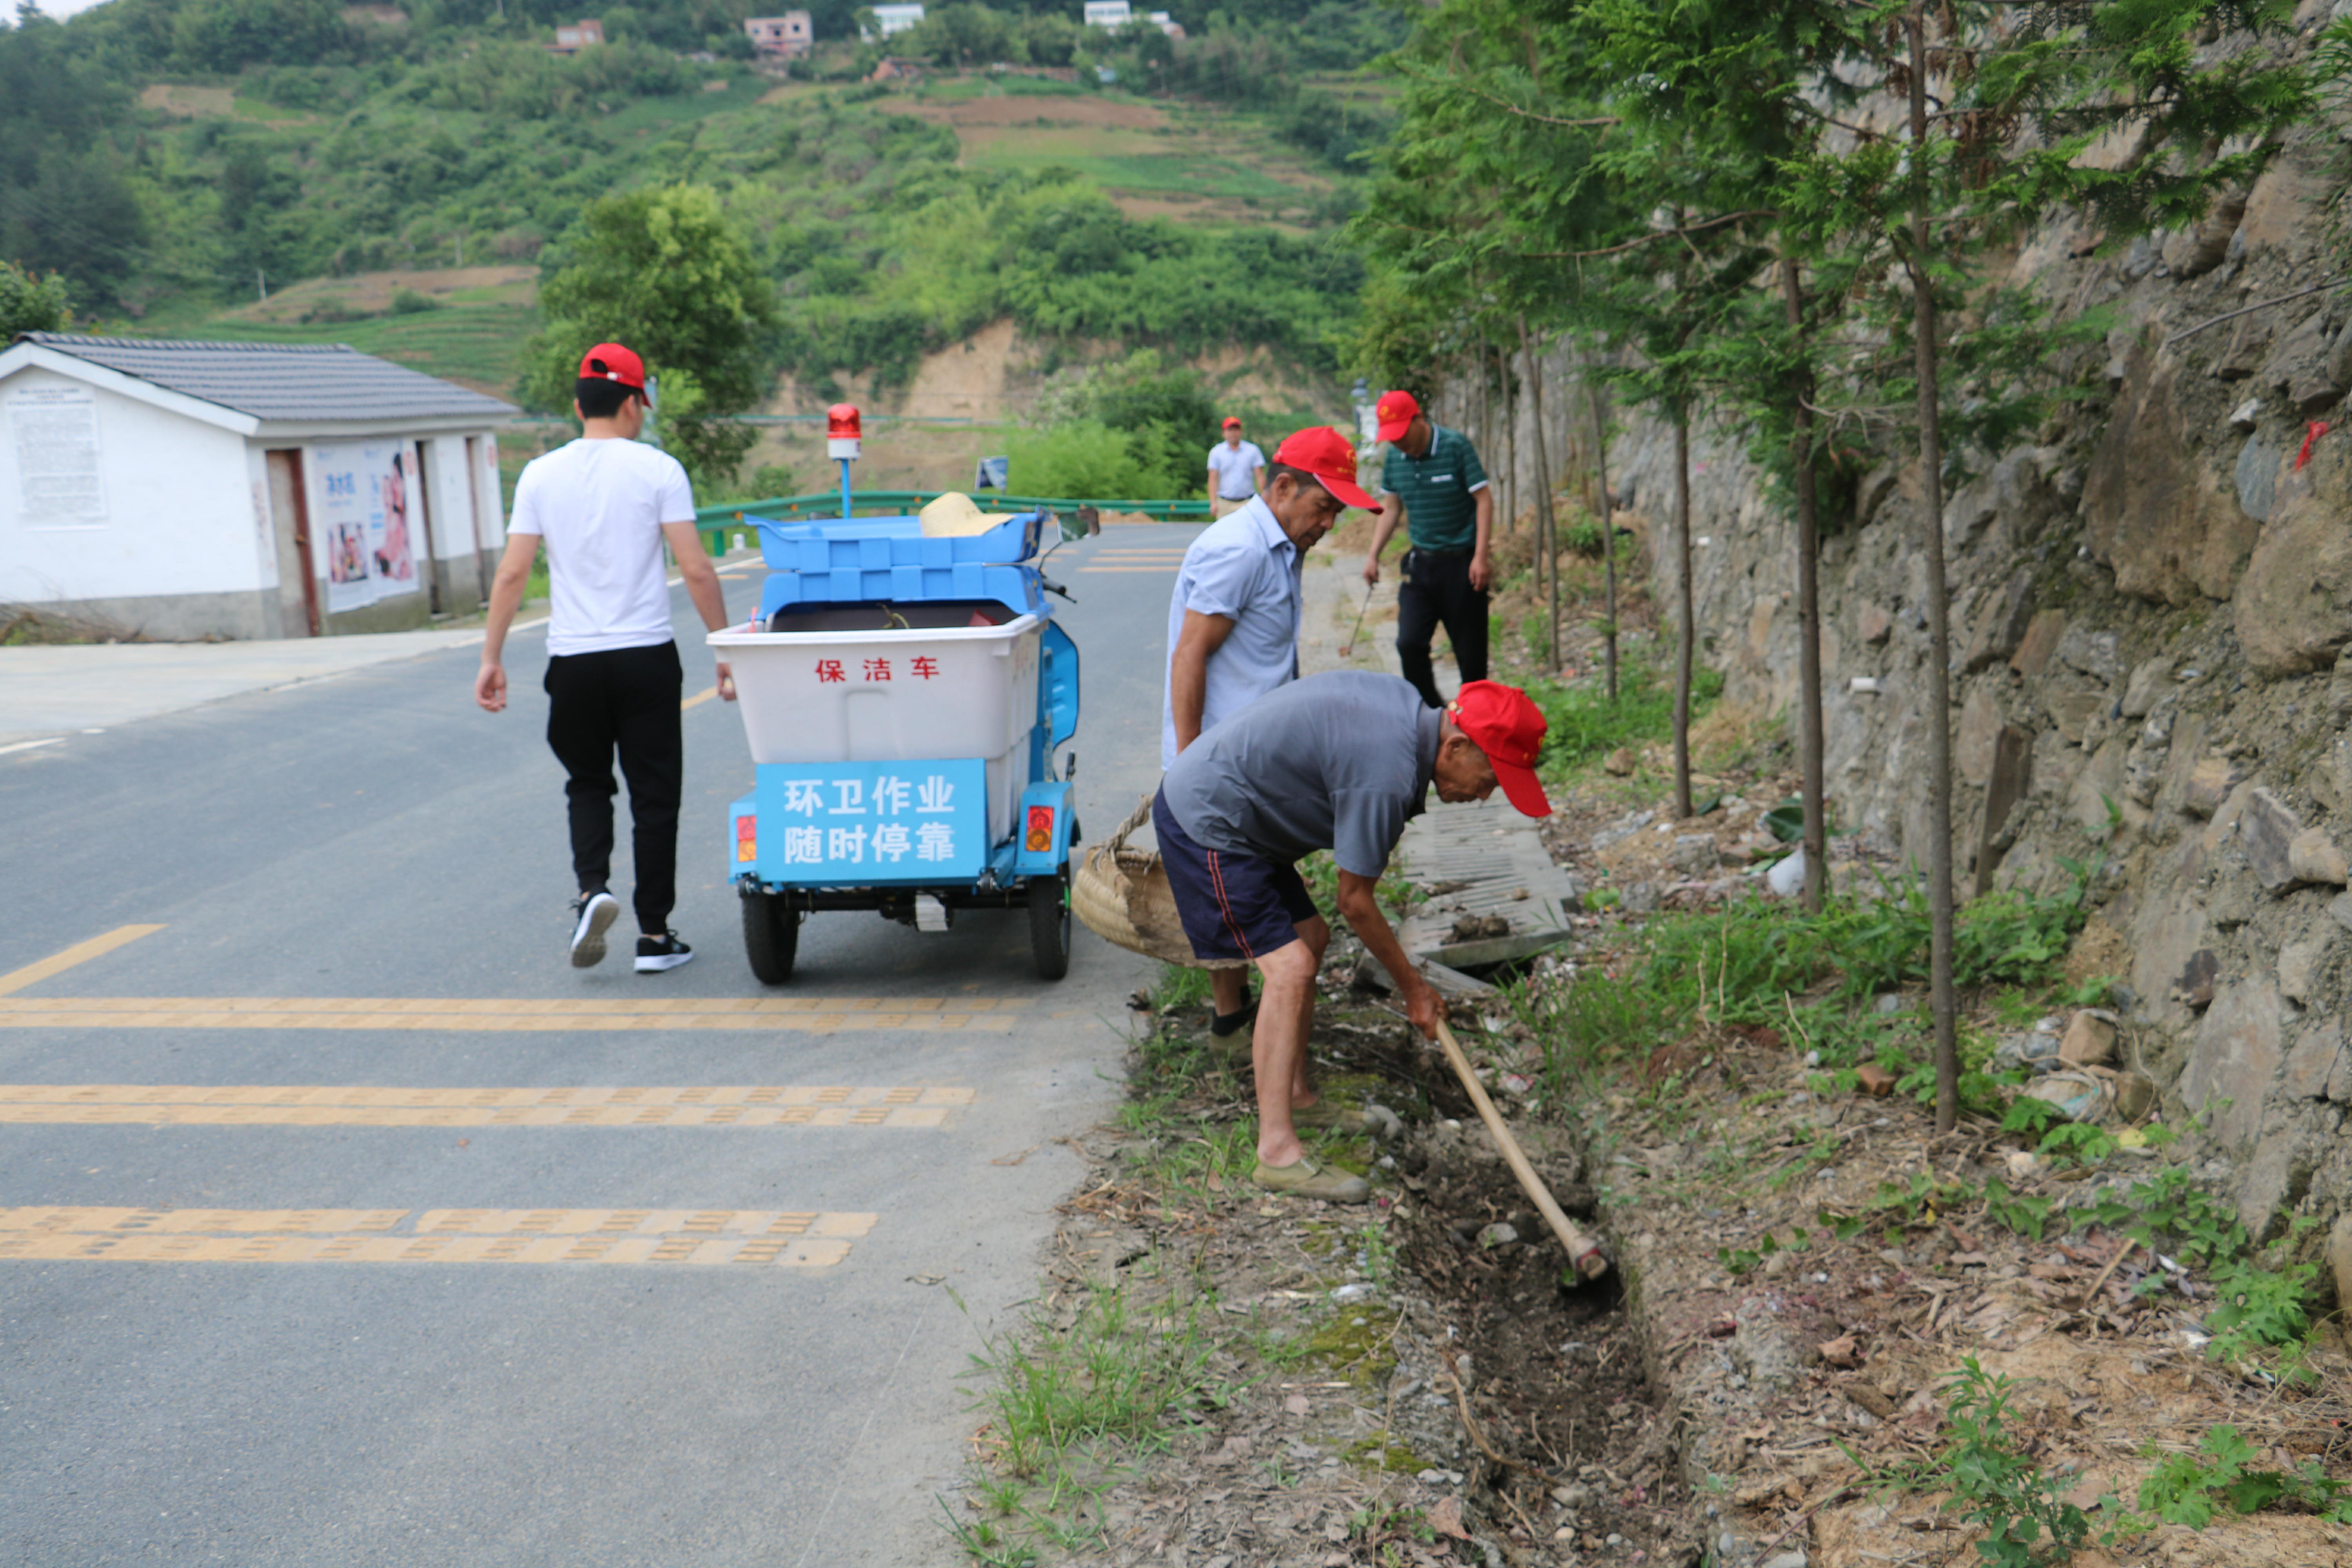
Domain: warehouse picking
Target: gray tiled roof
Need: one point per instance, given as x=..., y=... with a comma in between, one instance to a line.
x=309, y=383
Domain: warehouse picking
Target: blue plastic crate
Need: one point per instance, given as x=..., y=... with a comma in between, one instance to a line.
x=875, y=543
x=1015, y=588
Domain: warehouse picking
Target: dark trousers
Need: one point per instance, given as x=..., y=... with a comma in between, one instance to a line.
x=1436, y=589
x=622, y=699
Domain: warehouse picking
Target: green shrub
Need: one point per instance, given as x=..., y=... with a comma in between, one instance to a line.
x=1088, y=460
x=409, y=303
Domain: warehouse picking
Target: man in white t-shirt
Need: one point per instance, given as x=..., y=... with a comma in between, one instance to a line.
x=1236, y=472
x=603, y=505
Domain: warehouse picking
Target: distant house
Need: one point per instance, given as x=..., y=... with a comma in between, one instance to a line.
x=1166, y=24
x=586, y=34
x=787, y=36
x=188, y=489
x=1108, y=13
x=890, y=19
x=889, y=67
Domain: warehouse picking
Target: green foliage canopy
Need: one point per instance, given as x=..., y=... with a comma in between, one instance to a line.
x=30, y=303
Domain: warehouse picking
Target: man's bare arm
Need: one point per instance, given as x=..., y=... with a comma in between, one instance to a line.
x=1361, y=906
x=1384, y=527
x=702, y=580
x=507, y=586
x=1188, y=672
x=1482, y=566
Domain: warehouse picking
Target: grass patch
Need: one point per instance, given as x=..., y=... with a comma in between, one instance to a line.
x=476, y=343
x=1582, y=725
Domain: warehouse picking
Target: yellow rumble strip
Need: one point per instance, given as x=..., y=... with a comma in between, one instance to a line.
x=799, y=1015
x=296, y=1105
x=793, y=1240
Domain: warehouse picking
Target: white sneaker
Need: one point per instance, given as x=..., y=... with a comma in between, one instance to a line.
x=655, y=953
x=592, y=917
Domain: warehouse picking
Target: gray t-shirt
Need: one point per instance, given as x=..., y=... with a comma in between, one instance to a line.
x=1335, y=761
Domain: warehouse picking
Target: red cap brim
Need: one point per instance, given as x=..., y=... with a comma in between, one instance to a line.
x=1520, y=787
x=1348, y=494
x=1394, y=428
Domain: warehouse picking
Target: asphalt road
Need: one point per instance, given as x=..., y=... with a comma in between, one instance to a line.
x=713, y=1306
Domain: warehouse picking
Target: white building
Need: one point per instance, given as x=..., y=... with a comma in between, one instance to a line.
x=1108, y=13
x=184, y=489
x=889, y=19
x=787, y=36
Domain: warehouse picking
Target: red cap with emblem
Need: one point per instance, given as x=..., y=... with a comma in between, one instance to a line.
x=611, y=362
x=1396, y=411
x=1506, y=725
x=1331, y=458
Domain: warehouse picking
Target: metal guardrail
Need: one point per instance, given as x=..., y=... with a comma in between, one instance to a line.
x=715, y=520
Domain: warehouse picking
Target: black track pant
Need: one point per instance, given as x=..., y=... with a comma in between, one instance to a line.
x=623, y=700
x=1436, y=588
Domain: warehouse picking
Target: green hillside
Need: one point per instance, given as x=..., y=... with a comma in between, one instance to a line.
x=174, y=159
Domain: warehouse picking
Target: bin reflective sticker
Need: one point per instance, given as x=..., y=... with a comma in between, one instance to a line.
x=1040, y=830
x=859, y=822
x=747, y=840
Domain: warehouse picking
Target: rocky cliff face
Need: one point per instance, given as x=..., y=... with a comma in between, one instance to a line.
x=2152, y=614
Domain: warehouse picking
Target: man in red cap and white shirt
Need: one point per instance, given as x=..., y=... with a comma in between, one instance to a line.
x=1236, y=471
x=1336, y=761
x=1234, y=616
x=604, y=504
x=1433, y=480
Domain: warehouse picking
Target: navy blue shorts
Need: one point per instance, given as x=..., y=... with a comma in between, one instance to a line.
x=1232, y=906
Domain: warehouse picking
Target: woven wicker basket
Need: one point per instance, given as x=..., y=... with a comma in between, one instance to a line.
x=1123, y=896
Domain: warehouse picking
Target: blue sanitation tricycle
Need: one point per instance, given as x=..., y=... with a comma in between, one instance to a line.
x=904, y=693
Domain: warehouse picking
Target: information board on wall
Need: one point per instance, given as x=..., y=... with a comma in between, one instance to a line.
x=55, y=431
x=360, y=520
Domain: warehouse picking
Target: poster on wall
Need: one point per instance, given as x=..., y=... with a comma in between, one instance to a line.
x=365, y=494
x=56, y=431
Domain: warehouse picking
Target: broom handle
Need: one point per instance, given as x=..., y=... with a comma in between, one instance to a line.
x=1583, y=1253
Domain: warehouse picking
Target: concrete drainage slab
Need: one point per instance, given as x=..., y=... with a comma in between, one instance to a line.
x=1496, y=893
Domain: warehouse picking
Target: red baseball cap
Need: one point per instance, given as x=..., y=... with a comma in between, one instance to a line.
x=611, y=362
x=1506, y=725
x=1395, y=411
x=1231, y=423
x=1331, y=458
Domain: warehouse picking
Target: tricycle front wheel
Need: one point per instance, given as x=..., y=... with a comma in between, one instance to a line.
x=771, y=935
x=1049, y=924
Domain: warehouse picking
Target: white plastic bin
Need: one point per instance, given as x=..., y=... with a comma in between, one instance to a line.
x=899, y=696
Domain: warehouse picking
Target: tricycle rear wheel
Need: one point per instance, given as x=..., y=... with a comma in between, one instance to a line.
x=1049, y=924
x=771, y=935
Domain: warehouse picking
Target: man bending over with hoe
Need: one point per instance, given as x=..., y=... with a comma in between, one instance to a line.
x=1337, y=762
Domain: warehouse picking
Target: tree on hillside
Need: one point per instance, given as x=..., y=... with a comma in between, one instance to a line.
x=664, y=270
x=30, y=303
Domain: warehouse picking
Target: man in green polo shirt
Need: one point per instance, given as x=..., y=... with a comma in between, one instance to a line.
x=1435, y=484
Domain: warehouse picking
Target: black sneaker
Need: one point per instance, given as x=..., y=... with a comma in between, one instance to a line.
x=592, y=917
x=655, y=953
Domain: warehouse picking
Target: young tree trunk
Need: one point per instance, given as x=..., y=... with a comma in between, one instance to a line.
x=1503, y=359
x=1608, y=514
x=1939, y=638
x=1809, y=600
x=1547, y=532
x=1686, y=636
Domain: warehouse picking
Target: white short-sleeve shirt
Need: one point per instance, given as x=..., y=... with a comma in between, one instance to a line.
x=1237, y=469
x=600, y=506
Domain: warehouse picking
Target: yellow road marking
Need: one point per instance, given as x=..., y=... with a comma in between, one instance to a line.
x=79, y=952
x=782, y=1238
x=295, y=1105
x=803, y=1015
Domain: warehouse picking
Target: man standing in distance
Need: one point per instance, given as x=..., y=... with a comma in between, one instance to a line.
x=603, y=504
x=1433, y=477
x=1232, y=619
x=1337, y=762
x=1236, y=471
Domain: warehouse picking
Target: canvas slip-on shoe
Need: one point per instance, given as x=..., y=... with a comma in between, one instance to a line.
x=1306, y=1179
